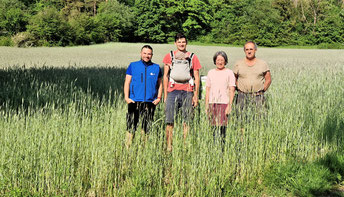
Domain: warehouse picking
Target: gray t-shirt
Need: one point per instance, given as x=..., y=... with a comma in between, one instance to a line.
x=251, y=78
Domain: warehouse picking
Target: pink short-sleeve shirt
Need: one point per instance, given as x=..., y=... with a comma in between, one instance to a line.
x=219, y=82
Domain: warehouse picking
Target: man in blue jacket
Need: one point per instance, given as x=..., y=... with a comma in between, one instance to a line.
x=142, y=92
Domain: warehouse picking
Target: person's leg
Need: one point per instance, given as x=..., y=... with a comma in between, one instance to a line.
x=170, y=112
x=147, y=115
x=185, y=130
x=223, y=134
x=214, y=129
x=132, y=121
x=169, y=136
x=239, y=108
x=244, y=102
x=219, y=134
x=219, y=117
x=187, y=111
x=213, y=120
x=240, y=101
x=130, y=137
x=261, y=108
x=142, y=113
x=223, y=121
x=223, y=137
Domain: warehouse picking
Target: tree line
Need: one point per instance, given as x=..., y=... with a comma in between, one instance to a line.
x=83, y=22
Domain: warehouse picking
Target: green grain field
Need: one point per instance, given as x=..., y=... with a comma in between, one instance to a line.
x=62, y=128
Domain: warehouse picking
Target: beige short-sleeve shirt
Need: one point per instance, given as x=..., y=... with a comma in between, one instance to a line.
x=250, y=78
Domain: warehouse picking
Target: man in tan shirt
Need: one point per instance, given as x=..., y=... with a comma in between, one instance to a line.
x=253, y=78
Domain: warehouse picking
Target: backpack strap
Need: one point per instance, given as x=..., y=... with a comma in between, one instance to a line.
x=190, y=65
x=171, y=66
x=190, y=60
x=172, y=58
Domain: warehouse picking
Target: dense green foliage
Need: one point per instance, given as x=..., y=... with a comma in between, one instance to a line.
x=83, y=22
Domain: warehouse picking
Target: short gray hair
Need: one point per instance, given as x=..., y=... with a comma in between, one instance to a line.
x=223, y=54
x=255, y=45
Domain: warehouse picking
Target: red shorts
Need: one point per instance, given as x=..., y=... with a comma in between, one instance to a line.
x=217, y=114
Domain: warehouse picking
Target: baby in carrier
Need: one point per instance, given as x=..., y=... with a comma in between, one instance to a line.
x=181, y=69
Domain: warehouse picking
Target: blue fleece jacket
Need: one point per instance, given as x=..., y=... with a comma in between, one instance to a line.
x=144, y=82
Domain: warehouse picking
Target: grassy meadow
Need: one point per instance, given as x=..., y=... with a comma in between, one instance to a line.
x=63, y=126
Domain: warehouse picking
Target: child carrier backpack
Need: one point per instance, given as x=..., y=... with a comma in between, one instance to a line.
x=181, y=71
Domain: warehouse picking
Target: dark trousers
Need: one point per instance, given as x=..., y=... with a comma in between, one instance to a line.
x=219, y=134
x=245, y=100
x=140, y=111
x=249, y=106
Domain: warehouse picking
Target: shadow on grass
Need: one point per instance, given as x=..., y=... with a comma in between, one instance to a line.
x=319, y=178
x=333, y=128
x=334, y=162
x=38, y=87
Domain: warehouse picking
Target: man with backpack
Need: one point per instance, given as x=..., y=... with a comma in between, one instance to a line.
x=181, y=86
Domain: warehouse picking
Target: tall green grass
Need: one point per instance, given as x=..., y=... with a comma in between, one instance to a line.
x=63, y=133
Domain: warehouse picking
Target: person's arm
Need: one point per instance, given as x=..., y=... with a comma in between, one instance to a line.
x=156, y=101
x=236, y=74
x=196, y=90
x=126, y=89
x=267, y=83
x=166, y=71
x=236, y=80
x=231, y=97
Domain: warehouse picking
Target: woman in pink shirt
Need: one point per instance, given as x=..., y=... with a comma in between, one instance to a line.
x=220, y=89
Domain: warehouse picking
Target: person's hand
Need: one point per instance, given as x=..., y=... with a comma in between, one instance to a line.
x=128, y=100
x=228, y=109
x=195, y=100
x=156, y=101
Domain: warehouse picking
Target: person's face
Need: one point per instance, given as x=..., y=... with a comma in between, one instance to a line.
x=250, y=51
x=181, y=44
x=220, y=62
x=146, y=54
